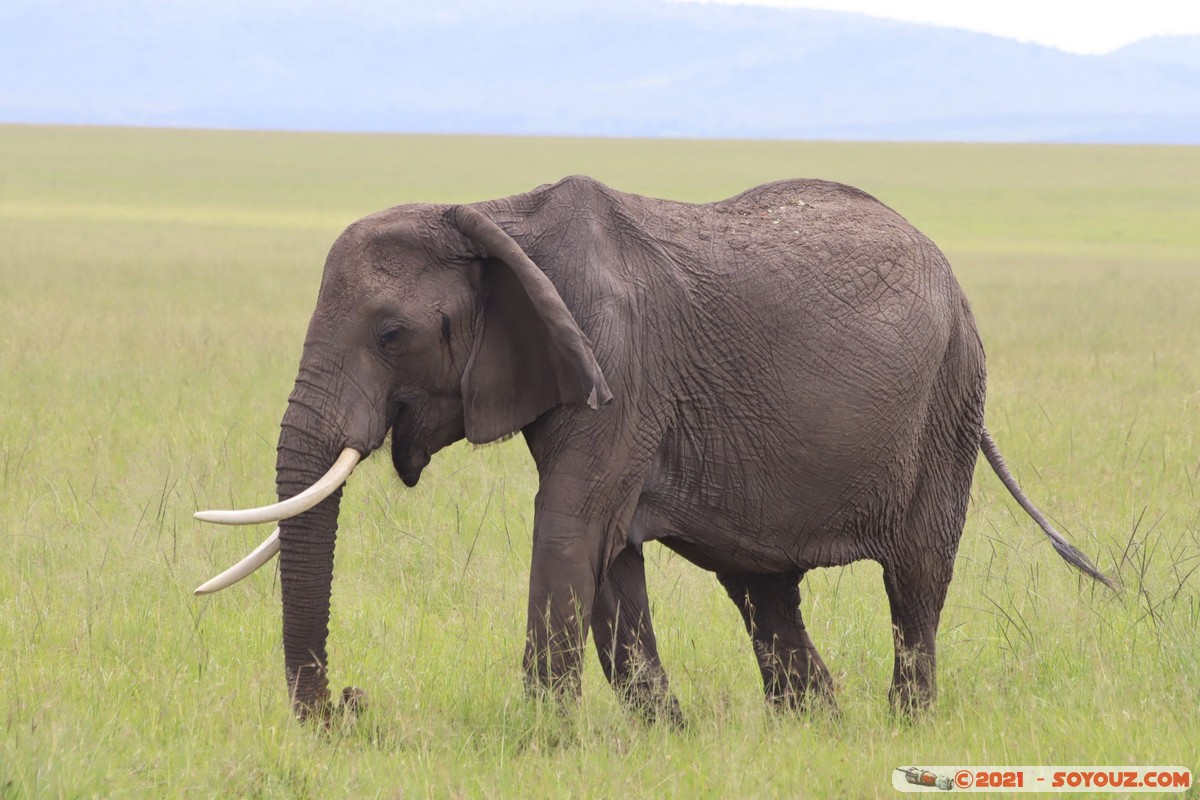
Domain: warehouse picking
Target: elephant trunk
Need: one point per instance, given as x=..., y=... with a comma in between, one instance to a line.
x=306, y=551
x=322, y=437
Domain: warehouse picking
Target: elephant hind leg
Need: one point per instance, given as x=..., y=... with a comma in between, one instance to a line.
x=792, y=670
x=916, y=574
x=916, y=596
x=626, y=645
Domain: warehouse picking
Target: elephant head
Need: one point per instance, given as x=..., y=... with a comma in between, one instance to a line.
x=433, y=323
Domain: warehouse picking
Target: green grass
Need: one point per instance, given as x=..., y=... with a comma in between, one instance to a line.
x=154, y=291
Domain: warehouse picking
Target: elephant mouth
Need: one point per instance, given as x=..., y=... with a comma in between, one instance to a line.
x=408, y=458
x=420, y=429
x=410, y=469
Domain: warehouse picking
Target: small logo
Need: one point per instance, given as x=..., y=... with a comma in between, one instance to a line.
x=1119, y=779
x=923, y=777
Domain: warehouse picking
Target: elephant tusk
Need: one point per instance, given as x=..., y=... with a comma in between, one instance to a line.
x=259, y=556
x=302, y=502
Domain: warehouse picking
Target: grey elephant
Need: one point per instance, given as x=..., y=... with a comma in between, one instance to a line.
x=788, y=379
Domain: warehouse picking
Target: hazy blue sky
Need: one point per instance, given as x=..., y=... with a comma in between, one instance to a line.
x=1078, y=26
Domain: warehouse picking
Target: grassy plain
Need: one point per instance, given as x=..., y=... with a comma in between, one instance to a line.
x=154, y=291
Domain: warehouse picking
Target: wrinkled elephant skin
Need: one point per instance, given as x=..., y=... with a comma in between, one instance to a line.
x=787, y=379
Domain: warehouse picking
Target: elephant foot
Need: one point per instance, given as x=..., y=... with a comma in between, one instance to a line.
x=354, y=702
x=563, y=687
x=661, y=710
x=814, y=701
x=325, y=714
x=653, y=702
x=911, y=701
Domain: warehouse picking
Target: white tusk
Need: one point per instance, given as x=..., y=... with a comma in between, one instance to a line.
x=302, y=502
x=261, y=555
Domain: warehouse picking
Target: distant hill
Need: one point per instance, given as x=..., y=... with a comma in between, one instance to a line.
x=1180, y=51
x=576, y=67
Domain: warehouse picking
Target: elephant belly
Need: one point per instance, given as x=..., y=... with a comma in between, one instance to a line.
x=798, y=519
x=723, y=545
x=812, y=479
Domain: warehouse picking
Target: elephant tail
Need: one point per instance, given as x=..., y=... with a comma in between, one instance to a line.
x=1065, y=549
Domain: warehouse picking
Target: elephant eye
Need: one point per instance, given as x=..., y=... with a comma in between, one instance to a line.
x=389, y=337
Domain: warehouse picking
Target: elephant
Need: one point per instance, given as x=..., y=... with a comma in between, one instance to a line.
x=787, y=379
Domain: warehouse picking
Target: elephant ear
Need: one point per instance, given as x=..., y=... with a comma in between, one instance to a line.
x=529, y=355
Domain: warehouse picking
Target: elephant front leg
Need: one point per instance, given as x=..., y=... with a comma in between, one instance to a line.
x=562, y=589
x=626, y=644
